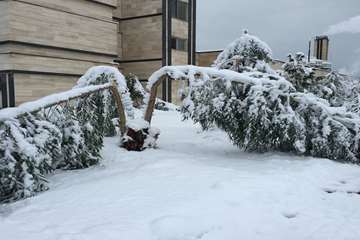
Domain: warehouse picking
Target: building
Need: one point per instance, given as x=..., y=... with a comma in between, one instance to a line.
x=156, y=33
x=46, y=45
x=321, y=48
x=319, y=62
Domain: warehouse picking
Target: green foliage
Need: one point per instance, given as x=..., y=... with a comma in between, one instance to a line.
x=296, y=72
x=331, y=86
x=137, y=92
x=270, y=115
x=90, y=114
x=67, y=136
x=246, y=53
x=29, y=146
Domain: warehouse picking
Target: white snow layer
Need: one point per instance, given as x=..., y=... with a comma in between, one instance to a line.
x=239, y=45
x=113, y=74
x=195, y=186
x=96, y=71
x=198, y=75
x=83, y=86
x=28, y=107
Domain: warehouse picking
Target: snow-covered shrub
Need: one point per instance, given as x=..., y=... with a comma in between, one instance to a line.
x=47, y=138
x=262, y=114
x=245, y=54
x=161, y=105
x=332, y=87
x=103, y=75
x=73, y=146
x=93, y=122
x=296, y=71
x=137, y=91
x=29, y=148
x=63, y=131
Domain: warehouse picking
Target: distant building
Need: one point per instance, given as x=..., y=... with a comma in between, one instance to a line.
x=318, y=62
x=321, y=48
x=46, y=45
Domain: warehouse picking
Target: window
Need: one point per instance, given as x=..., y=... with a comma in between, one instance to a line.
x=179, y=44
x=7, y=97
x=179, y=9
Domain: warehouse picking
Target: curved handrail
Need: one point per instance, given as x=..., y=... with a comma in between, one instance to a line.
x=60, y=98
x=195, y=74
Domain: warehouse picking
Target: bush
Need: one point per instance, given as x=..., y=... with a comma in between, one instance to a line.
x=270, y=115
x=137, y=91
x=66, y=136
x=28, y=151
x=246, y=53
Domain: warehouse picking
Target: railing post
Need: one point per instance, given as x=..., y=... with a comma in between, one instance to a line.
x=152, y=100
x=119, y=107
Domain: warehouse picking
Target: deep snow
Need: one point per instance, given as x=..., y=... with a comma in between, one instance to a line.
x=195, y=186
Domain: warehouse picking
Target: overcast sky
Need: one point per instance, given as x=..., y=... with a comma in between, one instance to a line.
x=286, y=25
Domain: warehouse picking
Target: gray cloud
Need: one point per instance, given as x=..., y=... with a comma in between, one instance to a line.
x=286, y=25
x=351, y=25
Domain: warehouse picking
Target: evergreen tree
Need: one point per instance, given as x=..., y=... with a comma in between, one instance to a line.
x=296, y=71
x=245, y=54
x=332, y=87
x=269, y=115
x=73, y=145
x=23, y=164
x=137, y=91
x=90, y=114
x=264, y=111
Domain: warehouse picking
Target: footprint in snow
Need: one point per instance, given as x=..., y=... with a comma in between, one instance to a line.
x=343, y=188
x=180, y=228
x=290, y=215
x=330, y=190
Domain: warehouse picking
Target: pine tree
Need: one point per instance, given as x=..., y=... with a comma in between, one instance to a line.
x=137, y=91
x=270, y=115
x=296, y=71
x=245, y=54
x=332, y=87
x=264, y=111
x=22, y=173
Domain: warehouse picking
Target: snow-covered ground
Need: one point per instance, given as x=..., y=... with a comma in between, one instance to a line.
x=195, y=186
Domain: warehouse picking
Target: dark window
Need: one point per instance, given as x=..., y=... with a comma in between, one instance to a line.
x=180, y=10
x=7, y=97
x=179, y=44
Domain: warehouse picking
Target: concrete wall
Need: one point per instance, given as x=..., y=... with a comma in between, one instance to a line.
x=140, y=48
x=54, y=27
x=50, y=43
x=135, y=8
x=141, y=69
x=206, y=59
x=141, y=38
x=33, y=86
